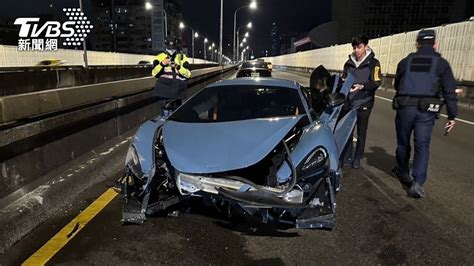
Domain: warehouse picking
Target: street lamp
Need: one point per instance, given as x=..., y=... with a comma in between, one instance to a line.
x=253, y=6
x=193, y=35
x=212, y=54
x=249, y=26
x=212, y=48
x=149, y=6
x=205, y=41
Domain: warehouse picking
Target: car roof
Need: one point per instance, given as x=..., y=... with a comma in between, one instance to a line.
x=257, y=81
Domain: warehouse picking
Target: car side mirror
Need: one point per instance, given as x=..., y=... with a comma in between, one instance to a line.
x=335, y=99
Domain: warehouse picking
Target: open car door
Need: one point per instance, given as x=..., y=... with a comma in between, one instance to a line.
x=345, y=124
x=341, y=126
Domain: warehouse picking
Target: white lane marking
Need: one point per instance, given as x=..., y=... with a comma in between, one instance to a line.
x=380, y=189
x=382, y=98
x=443, y=115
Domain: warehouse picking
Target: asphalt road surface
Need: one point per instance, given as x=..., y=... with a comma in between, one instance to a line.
x=376, y=222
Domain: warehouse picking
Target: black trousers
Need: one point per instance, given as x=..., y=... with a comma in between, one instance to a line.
x=362, y=125
x=410, y=120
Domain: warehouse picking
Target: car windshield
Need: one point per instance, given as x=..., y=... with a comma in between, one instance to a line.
x=254, y=64
x=233, y=103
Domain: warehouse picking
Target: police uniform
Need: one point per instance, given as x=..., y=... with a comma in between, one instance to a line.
x=171, y=83
x=421, y=79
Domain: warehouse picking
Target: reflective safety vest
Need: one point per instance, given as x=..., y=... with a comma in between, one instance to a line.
x=179, y=71
x=420, y=78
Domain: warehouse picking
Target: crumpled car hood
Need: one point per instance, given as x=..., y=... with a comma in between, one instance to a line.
x=201, y=148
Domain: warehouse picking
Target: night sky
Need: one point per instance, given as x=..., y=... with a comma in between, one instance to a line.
x=203, y=16
x=290, y=15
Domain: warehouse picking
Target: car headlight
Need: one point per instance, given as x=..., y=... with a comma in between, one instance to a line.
x=133, y=162
x=315, y=160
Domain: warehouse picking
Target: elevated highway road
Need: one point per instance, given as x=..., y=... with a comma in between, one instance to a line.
x=376, y=222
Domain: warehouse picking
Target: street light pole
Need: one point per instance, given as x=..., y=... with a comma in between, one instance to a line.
x=86, y=63
x=249, y=25
x=212, y=52
x=238, y=43
x=205, y=41
x=182, y=26
x=166, y=21
x=222, y=26
x=252, y=5
x=192, y=43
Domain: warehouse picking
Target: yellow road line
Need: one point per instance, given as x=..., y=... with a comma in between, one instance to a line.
x=57, y=242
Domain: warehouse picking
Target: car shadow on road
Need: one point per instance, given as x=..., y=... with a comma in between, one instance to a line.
x=236, y=220
x=257, y=228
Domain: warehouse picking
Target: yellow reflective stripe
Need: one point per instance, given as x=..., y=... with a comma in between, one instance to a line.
x=156, y=70
x=161, y=57
x=377, y=73
x=48, y=250
x=185, y=72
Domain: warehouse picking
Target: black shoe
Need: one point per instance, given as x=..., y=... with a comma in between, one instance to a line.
x=416, y=191
x=356, y=164
x=404, y=178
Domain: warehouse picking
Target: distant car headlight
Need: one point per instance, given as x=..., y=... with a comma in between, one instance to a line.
x=315, y=160
x=133, y=162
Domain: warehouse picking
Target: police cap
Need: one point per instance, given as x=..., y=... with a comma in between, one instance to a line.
x=426, y=35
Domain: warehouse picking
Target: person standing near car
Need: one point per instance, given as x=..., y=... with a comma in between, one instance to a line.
x=365, y=69
x=421, y=78
x=171, y=68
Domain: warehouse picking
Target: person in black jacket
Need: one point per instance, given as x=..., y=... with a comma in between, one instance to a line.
x=365, y=69
x=424, y=81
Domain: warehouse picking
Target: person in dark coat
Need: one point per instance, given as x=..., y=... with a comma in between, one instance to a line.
x=365, y=69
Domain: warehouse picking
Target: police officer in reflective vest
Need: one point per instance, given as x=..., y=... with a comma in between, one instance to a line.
x=171, y=68
x=422, y=80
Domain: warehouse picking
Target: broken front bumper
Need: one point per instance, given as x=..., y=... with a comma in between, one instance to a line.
x=237, y=190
